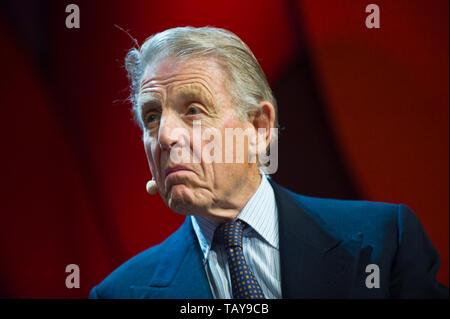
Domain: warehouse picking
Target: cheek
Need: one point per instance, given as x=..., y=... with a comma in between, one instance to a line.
x=232, y=148
x=229, y=123
x=151, y=150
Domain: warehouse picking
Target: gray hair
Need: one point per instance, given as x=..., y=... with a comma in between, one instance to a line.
x=247, y=82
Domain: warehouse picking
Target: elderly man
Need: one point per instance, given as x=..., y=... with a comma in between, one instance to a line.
x=245, y=236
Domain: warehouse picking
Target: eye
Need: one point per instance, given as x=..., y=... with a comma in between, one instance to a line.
x=151, y=118
x=193, y=111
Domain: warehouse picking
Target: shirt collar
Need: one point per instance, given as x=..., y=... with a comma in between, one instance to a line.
x=260, y=213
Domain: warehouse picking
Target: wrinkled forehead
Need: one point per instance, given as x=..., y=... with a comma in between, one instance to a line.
x=169, y=70
x=202, y=77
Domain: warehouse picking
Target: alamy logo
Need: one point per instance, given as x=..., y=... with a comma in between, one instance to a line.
x=373, y=279
x=73, y=19
x=73, y=279
x=373, y=19
x=236, y=145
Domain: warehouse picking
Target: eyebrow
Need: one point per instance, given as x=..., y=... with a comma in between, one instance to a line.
x=195, y=92
x=148, y=101
x=194, y=96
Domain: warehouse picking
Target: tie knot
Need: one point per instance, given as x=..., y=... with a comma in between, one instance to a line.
x=232, y=233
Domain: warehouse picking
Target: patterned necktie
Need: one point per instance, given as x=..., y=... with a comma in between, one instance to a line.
x=243, y=281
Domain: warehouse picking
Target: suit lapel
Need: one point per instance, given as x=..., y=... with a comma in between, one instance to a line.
x=314, y=262
x=180, y=273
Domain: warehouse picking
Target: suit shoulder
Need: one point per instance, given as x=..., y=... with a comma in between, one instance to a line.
x=357, y=210
x=351, y=216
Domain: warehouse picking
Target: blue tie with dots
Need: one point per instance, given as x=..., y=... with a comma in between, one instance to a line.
x=243, y=282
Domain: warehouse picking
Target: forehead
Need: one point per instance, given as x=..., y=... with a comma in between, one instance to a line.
x=197, y=76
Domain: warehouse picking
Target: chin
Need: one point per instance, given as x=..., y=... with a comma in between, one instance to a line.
x=181, y=200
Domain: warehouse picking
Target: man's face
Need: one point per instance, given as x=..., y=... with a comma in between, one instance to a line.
x=173, y=98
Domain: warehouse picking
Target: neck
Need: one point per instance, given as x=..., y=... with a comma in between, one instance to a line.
x=227, y=210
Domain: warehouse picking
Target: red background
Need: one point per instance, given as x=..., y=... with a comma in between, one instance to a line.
x=73, y=167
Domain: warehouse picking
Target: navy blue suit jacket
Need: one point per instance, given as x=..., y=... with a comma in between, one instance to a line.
x=325, y=247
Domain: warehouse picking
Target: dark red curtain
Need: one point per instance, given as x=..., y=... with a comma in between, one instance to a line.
x=372, y=103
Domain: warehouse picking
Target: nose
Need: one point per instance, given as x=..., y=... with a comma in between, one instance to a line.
x=170, y=132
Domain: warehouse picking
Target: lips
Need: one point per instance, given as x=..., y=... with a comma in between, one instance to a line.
x=177, y=168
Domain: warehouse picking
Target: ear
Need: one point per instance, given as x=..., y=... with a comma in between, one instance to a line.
x=264, y=120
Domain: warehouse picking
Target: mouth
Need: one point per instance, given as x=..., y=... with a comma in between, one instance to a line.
x=176, y=169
